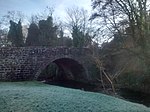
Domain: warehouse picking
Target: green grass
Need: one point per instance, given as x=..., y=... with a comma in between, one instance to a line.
x=38, y=97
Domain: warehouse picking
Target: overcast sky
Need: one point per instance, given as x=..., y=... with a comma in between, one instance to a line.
x=29, y=7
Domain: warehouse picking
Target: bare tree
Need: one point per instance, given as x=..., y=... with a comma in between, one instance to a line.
x=14, y=16
x=76, y=17
x=35, y=18
x=77, y=22
x=3, y=38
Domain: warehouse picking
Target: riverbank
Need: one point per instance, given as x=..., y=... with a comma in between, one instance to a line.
x=39, y=97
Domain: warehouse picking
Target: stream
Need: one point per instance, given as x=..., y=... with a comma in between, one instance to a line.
x=134, y=96
x=126, y=94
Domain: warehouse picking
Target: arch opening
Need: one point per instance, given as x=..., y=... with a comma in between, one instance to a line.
x=65, y=72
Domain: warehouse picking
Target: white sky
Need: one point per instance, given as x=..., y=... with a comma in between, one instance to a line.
x=29, y=7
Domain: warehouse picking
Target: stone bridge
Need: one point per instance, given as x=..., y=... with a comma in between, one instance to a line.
x=26, y=63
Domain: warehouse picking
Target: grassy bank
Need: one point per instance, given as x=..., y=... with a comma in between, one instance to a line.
x=38, y=97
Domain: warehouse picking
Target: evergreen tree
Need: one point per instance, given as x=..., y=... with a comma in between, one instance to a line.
x=12, y=33
x=78, y=37
x=20, y=38
x=15, y=35
x=33, y=35
x=48, y=32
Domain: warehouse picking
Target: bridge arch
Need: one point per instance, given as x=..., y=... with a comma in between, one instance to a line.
x=26, y=63
x=69, y=69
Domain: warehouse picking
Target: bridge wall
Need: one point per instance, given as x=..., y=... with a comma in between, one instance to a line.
x=26, y=63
